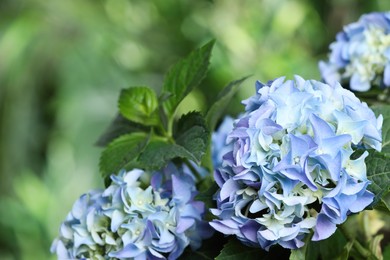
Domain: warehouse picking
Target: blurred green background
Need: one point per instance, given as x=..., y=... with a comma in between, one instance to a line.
x=62, y=64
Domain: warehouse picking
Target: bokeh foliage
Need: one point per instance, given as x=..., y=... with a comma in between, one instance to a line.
x=63, y=63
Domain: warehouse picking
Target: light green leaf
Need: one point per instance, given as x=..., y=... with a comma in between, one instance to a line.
x=192, y=134
x=122, y=152
x=384, y=110
x=139, y=104
x=375, y=246
x=222, y=101
x=300, y=253
x=184, y=76
x=345, y=252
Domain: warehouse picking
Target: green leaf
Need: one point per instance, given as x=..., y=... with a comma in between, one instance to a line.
x=184, y=76
x=300, y=253
x=384, y=110
x=118, y=127
x=208, y=251
x=330, y=248
x=222, y=101
x=378, y=172
x=207, y=195
x=192, y=134
x=191, y=137
x=383, y=204
x=235, y=250
x=122, y=152
x=139, y=104
x=345, y=252
x=386, y=252
x=158, y=152
x=216, y=111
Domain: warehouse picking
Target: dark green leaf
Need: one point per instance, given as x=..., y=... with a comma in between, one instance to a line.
x=118, y=127
x=378, y=172
x=207, y=195
x=235, y=250
x=209, y=250
x=386, y=252
x=122, y=152
x=384, y=110
x=158, y=152
x=184, y=76
x=383, y=204
x=215, y=112
x=191, y=138
x=330, y=248
x=223, y=100
x=139, y=104
x=192, y=134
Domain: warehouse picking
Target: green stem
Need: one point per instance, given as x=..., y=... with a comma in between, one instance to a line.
x=365, y=253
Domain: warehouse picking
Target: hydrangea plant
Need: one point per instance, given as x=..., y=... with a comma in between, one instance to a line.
x=127, y=221
x=299, y=161
x=289, y=169
x=361, y=54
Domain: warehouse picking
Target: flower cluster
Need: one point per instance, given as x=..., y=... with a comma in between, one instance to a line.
x=126, y=221
x=361, y=54
x=294, y=165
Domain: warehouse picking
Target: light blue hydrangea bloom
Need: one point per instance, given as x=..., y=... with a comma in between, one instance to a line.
x=289, y=169
x=127, y=221
x=361, y=54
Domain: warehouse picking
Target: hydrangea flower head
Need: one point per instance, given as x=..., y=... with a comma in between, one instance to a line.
x=289, y=169
x=127, y=221
x=361, y=54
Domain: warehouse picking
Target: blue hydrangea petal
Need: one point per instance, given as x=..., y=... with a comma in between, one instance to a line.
x=130, y=250
x=324, y=228
x=365, y=199
x=386, y=74
x=229, y=188
x=249, y=231
x=227, y=227
x=358, y=84
x=184, y=224
x=181, y=189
